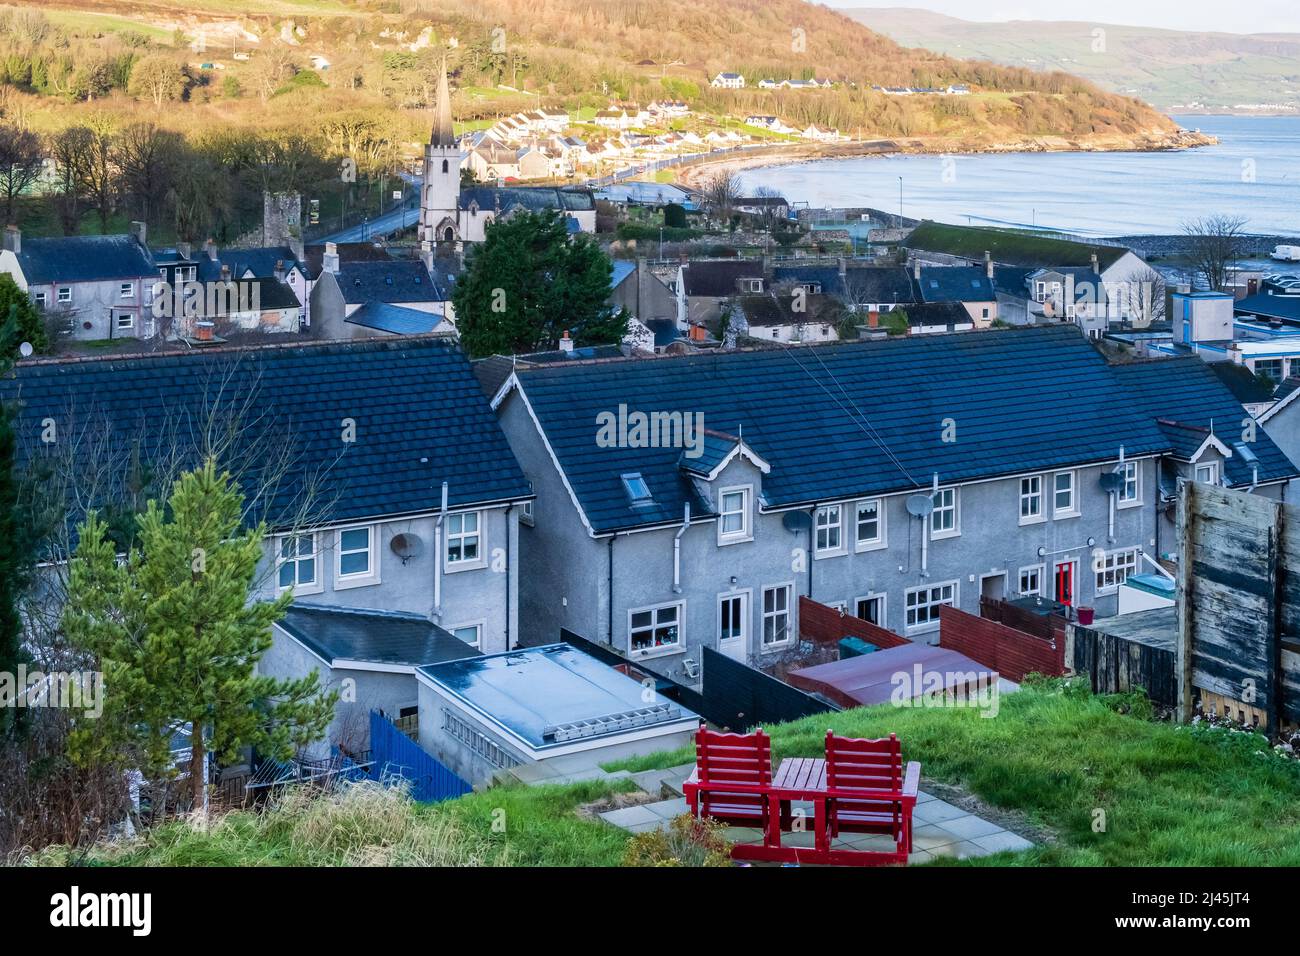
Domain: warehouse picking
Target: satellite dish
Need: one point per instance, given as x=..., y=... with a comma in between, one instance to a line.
x=1111, y=481
x=406, y=546
x=918, y=506
x=25, y=350
x=796, y=521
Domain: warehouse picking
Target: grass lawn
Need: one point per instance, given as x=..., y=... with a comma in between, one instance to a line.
x=1115, y=789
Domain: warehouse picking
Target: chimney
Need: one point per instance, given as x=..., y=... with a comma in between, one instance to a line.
x=140, y=232
x=916, y=270
x=566, y=343
x=843, y=266
x=873, y=319
x=988, y=263
x=279, y=270
x=183, y=250
x=210, y=247
x=225, y=272
x=13, y=239
x=1096, y=266
x=330, y=261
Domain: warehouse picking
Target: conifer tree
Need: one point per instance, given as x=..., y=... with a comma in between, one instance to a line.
x=178, y=639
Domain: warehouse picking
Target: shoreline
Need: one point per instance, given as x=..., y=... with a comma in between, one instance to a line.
x=693, y=176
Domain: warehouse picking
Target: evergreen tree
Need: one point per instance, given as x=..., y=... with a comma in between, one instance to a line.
x=178, y=639
x=15, y=559
x=529, y=282
x=26, y=318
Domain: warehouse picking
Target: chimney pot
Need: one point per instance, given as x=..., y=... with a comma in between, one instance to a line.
x=13, y=241
x=140, y=231
x=210, y=247
x=566, y=343
x=1096, y=265
x=873, y=319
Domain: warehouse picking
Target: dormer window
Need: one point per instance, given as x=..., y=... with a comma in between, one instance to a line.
x=637, y=490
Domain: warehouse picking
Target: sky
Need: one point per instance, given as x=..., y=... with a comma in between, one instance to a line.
x=1257, y=16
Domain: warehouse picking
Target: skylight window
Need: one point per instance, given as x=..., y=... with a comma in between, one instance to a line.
x=636, y=488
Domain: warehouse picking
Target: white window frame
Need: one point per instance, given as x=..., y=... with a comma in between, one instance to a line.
x=1039, y=572
x=315, y=586
x=746, y=598
x=1134, y=468
x=118, y=325
x=61, y=297
x=1108, y=569
x=464, y=564
x=653, y=610
x=1073, y=510
x=528, y=513
x=126, y=290
x=955, y=508
x=356, y=579
x=1212, y=467
x=883, y=615
x=931, y=606
x=881, y=540
x=1036, y=496
x=40, y=298
x=837, y=526
x=478, y=627
x=764, y=614
x=746, y=532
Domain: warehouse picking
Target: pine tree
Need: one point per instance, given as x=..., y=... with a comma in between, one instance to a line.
x=178, y=639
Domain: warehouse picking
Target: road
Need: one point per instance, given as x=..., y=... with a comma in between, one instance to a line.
x=384, y=225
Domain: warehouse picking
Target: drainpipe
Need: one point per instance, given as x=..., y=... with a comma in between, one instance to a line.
x=1111, y=495
x=437, y=557
x=925, y=530
x=509, y=573
x=609, y=626
x=812, y=546
x=677, y=549
x=1254, y=476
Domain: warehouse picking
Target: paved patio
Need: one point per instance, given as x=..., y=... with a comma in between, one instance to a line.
x=939, y=828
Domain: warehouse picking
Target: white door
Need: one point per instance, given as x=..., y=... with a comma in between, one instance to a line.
x=733, y=625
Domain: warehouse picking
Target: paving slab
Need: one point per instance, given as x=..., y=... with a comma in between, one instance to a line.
x=969, y=827
x=936, y=811
x=1003, y=840
x=630, y=816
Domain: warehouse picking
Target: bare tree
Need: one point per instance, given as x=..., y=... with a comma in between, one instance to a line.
x=21, y=158
x=721, y=190
x=1215, y=243
x=148, y=158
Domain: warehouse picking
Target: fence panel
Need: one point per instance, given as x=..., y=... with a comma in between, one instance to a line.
x=396, y=754
x=1115, y=665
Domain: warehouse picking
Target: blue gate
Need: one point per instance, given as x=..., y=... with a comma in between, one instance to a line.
x=395, y=754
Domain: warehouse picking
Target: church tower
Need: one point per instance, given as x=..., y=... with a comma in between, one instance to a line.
x=440, y=191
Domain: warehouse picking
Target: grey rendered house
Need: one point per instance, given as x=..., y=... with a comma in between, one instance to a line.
x=885, y=477
x=344, y=287
x=99, y=287
x=388, y=489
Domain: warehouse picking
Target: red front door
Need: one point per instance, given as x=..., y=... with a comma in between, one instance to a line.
x=1065, y=582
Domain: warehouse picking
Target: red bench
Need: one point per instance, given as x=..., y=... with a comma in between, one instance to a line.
x=862, y=786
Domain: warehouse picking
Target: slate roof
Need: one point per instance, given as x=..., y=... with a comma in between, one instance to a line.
x=493, y=371
x=717, y=277
x=313, y=256
x=955, y=284
x=938, y=313
x=1188, y=398
x=395, y=319
x=844, y=420
x=828, y=277
x=1285, y=307
x=410, y=399
x=880, y=285
x=392, y=281
x=1243, y=384
x=260, y=262
x=533, y=198
x=377, y=637
x=1010, y=280
x=271, y=294
x=84, y=259
x=765, y=311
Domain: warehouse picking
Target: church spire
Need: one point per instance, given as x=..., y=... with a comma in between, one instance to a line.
x=442, y=132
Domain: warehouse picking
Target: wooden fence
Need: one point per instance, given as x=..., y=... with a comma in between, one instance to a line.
x=1114, y=665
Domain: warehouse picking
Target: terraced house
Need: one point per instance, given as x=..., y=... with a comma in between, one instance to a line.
x=391, y=497
x=887, y=478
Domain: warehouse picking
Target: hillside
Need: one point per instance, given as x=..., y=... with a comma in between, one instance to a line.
x=583, y=53
x=1171, y=69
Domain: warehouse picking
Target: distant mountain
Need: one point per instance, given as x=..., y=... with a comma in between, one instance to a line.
x=1171, y=69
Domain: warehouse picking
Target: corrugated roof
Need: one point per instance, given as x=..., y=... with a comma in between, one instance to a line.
x=844, y=420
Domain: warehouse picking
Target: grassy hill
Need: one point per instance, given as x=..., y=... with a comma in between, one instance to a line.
x=1091, y=778
x=1172, y=69
x=583, y=53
